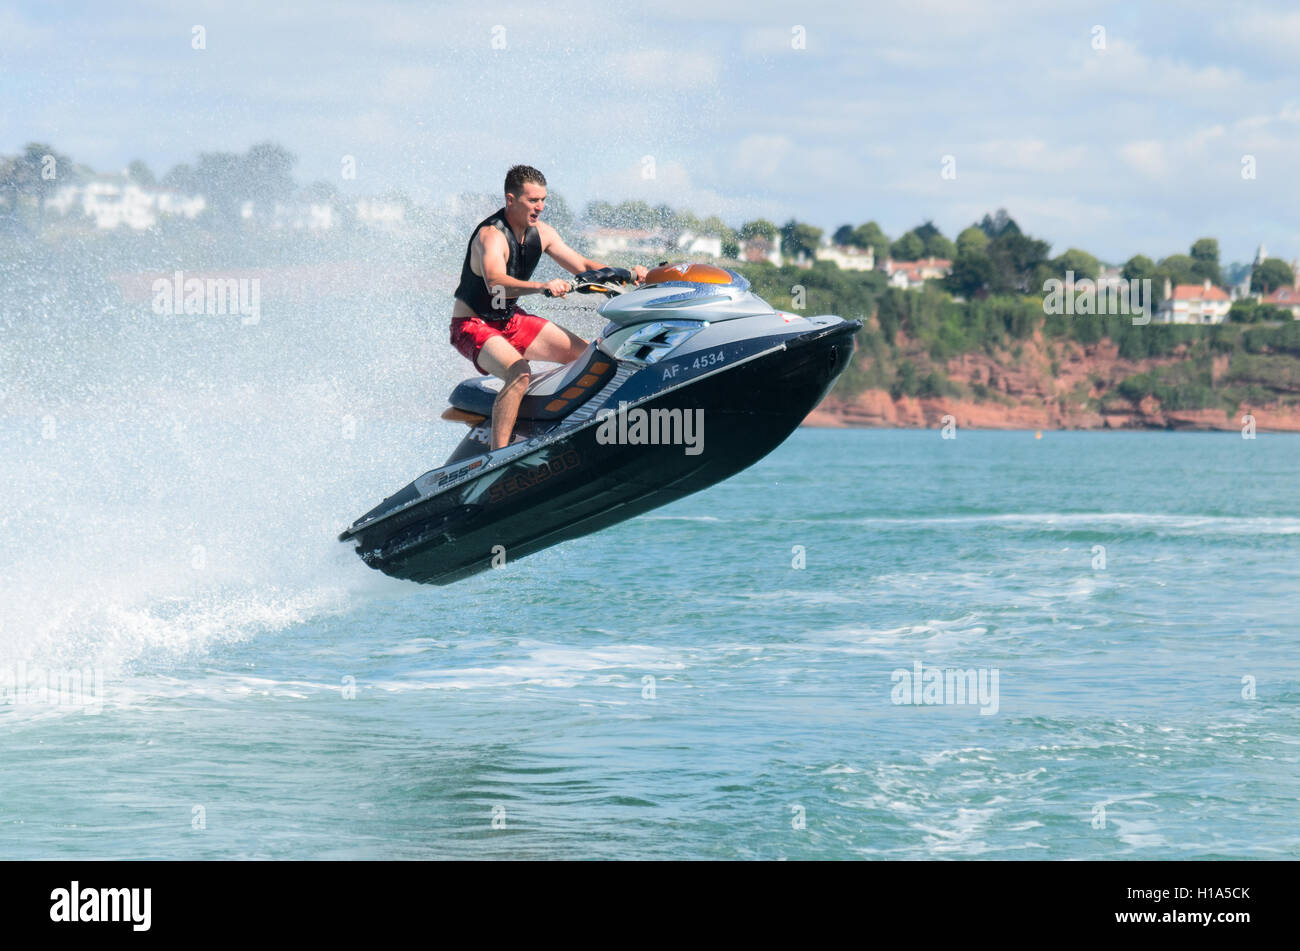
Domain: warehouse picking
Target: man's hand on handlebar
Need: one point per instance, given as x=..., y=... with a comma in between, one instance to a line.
x=595, y=280
x=604, y=275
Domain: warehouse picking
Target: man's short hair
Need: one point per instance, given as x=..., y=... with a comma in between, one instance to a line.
x=521, y=175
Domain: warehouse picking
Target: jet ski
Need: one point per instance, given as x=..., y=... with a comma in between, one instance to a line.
x=693, y=379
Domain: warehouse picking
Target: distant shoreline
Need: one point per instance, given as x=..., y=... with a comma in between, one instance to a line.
x=876, y=409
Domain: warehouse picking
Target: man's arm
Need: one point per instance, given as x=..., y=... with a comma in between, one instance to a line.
x=569, y=259
x=563, y=255
x=496, y=253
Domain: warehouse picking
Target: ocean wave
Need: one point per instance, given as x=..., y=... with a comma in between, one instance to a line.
x=1074, y=521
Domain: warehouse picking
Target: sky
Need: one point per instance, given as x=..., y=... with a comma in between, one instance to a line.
x=1118, y=128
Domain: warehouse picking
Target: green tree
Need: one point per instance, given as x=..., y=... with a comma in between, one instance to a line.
x=1138, y=267
x=634, y=214
x=937, y=246
x=664, y=217
x=905, y=384
x=267, y=172
x=715, y=225
x=685, y=221
x=1271, y=274
x=36, y=173
x=558, y=213
x=181, y=177
x=1141, y=268
x=218, y=176
x=843, y=235
x=926, y=230
x=1080, y=262
x=799, y=239
x=321, y=191
x=263, y=175
x=999, y=224
x=972, y=272
x=1205, y=260
x=140, y=173
x=599, y=214
x=758, y=228
x=1247, y=311
x=869, y=235
x=1017, y=261
x=9, y=185
x=1180, y=269
x=972, y=239
x=907, y=248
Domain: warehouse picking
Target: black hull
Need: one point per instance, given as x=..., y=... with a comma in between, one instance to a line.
x=577, y=485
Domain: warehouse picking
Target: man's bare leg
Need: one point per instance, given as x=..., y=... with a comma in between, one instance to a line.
x=552, y=345
x=499, y=358
x=555, y=345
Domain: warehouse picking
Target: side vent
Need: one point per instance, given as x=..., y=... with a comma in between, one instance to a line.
x=653, y=342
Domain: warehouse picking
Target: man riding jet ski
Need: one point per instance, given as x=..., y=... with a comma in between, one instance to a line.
x=488, y=326
x=693, y=379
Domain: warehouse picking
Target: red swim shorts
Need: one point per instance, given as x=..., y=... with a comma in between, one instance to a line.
x=468, y=334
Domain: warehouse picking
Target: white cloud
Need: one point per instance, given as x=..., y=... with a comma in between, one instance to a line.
x=767, y=40
x=663, y=69
x=760, y=157
x=19, y=34
x=1123, y=67
x=1275, y=33
x=1203, y=137
x=410, y=84
x=1147, y=156
x=1027, y=155
x=673, y=185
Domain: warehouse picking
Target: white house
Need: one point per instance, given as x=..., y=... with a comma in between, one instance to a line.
x=911, y=275
x=111, y=201
x=1285, y=298
x=380, y=214
x=1111, y=279
x=847, y=257
x=761, y=249
x=709, y=245
x=607, y=241
x=1194, y=304
x=295, y=216
x=172, y=202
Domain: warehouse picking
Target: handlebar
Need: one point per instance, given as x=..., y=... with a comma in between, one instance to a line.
x=598, y=282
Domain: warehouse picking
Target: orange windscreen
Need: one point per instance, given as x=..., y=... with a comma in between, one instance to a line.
x=695, y=273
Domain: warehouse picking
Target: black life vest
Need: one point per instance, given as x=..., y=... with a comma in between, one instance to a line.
x=523, y=259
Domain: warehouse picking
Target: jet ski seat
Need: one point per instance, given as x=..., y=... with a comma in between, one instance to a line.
x=551, y=395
